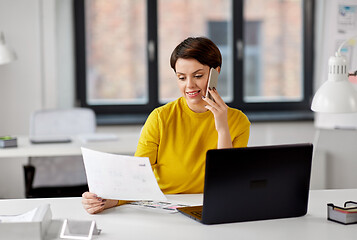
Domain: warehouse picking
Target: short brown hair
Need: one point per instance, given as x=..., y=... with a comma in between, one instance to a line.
x=200, y=48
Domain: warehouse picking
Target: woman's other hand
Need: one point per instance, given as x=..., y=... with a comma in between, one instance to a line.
x=94, y=204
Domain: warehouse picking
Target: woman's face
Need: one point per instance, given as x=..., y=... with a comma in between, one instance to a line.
x=192, y=78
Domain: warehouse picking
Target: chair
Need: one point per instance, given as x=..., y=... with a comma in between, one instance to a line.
x=58, y=176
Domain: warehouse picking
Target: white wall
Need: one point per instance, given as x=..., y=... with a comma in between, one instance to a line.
x=20, y=81
x=42, y=77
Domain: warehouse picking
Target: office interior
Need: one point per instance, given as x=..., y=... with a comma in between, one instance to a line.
x=43, y=78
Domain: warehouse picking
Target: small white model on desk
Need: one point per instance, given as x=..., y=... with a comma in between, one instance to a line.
x=77, y=229
x=30, y=225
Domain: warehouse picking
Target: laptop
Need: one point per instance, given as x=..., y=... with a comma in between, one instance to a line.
x=254, y=183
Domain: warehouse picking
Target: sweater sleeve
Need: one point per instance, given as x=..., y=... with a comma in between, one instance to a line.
x=123, y=202
x=149, y=138
x=243, y=130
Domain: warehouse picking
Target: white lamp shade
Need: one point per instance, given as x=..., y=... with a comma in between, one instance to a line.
x=7, y=55
x=337, y=94
x=335, y=97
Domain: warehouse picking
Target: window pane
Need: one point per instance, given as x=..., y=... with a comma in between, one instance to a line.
x=273, y=50
x=116, y=71
x=179, y=19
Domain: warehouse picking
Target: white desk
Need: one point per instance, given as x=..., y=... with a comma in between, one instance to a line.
x=12, y=159
x=131, y=222
x=126, y=144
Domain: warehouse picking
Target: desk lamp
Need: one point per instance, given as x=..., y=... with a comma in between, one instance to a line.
x=7, y=54
x=337, y=94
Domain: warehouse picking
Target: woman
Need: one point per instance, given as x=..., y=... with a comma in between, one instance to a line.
x=177, y=135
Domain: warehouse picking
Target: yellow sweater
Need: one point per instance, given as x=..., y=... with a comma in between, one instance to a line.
x=176, y=140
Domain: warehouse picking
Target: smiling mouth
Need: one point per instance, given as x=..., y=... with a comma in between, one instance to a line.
x=193, y=93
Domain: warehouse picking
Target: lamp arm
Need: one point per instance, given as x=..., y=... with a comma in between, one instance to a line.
x=343, y=43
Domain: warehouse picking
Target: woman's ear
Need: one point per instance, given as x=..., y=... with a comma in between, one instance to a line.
x=218, y=69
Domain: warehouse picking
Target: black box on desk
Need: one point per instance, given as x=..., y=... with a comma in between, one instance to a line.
x=341, y=214
x=6, y=142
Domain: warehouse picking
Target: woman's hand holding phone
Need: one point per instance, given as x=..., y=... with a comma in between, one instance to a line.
x=220, y=111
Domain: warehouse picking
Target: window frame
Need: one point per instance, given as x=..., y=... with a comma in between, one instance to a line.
x=137, y=113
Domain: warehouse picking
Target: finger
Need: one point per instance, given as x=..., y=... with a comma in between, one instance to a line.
x=217, y=100
x=212, y=109
x=89, y=195
x=210, y=102
x=215, y=107
x=216, y=96
x=221, y=105
x=92, y=204
x=89, y=198
x=95, y=209
x=92, y=201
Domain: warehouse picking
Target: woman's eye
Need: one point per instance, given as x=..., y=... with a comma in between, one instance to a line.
x=198, y=76
x=181, y=78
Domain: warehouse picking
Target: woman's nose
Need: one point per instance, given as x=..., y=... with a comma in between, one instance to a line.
x=190, y=82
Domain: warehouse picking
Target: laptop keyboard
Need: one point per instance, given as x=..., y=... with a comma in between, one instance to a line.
x=197, y=213
x=194, y=212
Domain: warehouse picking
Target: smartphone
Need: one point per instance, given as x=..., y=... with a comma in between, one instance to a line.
x=212, y=82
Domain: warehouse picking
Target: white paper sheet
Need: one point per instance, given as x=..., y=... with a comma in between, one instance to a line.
x=121, y=177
